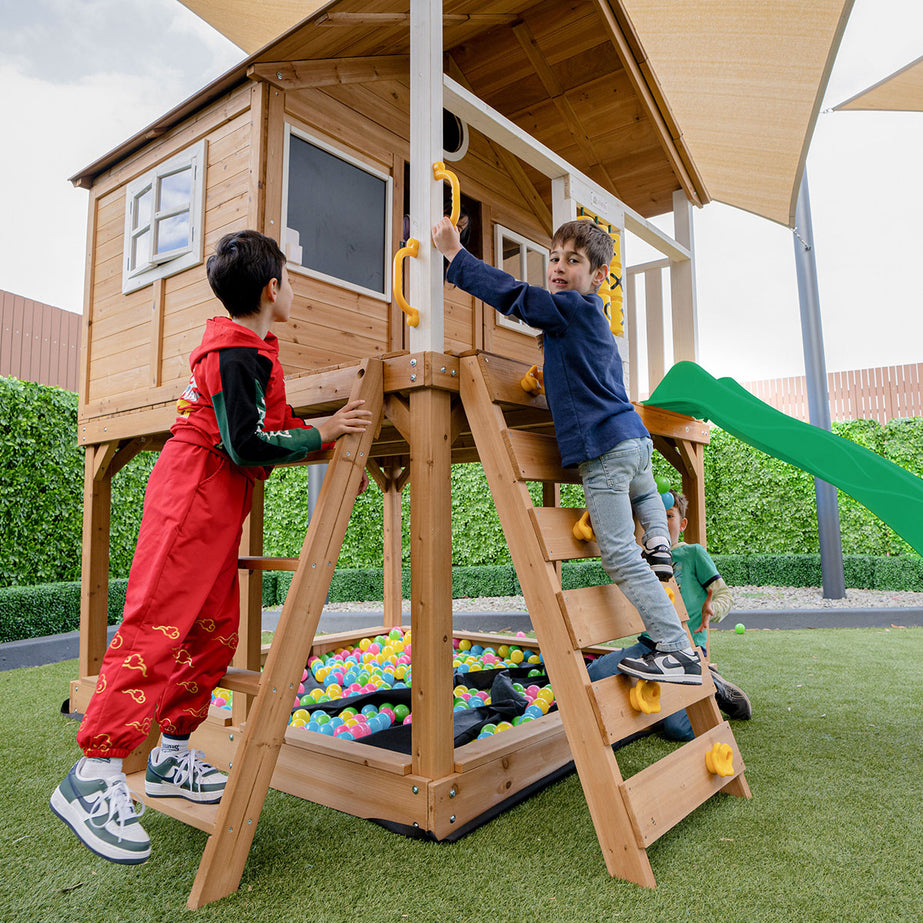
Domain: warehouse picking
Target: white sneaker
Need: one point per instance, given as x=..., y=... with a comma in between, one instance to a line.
x=184, y=776
x=102, y=814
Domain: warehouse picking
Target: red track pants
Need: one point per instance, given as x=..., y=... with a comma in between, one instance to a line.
x=182, y=607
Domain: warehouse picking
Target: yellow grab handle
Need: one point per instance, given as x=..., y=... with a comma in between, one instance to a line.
x=583, y=531
x=397, y=281
x=441, y=173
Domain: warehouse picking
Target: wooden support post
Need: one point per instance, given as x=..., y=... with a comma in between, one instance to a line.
x=682, y=285
x=94, y=580
x=693, y=454
x=431, y=582
x=393, y=592
x=247, y=656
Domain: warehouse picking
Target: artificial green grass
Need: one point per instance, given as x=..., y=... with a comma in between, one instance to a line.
x=834, y=755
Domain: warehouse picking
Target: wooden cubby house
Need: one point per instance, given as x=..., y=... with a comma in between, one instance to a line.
x=326, y=140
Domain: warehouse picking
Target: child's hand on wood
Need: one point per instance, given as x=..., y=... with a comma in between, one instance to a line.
x=446, y=239
x=707, y=609
x=348, y=419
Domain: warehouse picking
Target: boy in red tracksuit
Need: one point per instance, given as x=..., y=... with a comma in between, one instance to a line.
x=179, y=628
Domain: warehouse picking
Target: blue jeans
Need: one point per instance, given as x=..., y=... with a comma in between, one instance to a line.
x=673, y=727
x=619, y=485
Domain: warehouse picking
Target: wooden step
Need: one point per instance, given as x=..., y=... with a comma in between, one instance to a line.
x=618, y=719
x=201, y=816
x=596, y=614
x=254, y=562
x=661, y=795
x=238, y=680
x=503, y=379
x=554, y=526
x=536, y=457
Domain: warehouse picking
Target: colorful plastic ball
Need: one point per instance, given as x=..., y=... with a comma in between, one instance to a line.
x=401, y=711
x=663, y=484
x=668, y=500
x=740, y=628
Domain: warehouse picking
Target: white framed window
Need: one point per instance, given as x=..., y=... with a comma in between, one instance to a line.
x=336, y=215
x=163, y=219
x=524, y=260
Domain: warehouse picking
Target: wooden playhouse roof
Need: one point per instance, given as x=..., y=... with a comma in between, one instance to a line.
x=646, y=97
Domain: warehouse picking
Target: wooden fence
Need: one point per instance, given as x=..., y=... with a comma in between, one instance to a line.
x=38, y=342
x=865, y=394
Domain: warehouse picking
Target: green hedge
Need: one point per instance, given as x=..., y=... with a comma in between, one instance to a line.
x=41, y=489
x=49, y=609
x=28, y=612
x=758, y=509
x=787, y=570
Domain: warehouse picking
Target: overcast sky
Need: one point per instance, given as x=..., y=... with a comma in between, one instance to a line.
x=78, y=77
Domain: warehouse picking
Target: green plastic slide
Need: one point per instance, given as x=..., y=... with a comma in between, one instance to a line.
x=889, y=491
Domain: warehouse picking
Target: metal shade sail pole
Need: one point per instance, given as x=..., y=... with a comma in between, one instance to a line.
x=815, y=367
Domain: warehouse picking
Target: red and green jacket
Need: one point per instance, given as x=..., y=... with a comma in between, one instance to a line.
x=235, y=401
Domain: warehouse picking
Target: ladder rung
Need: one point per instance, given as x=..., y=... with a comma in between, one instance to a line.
x=238, y=680
x=555, y=528
x=661, y=795
x=596, y=614
x=536, y=458
x=200, y=816
x=263, y=563
x=618, y=719
x=503, y=379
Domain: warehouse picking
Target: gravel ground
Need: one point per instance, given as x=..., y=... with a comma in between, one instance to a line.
x=745, y=597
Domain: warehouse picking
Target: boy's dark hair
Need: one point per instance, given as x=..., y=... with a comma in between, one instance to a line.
x=241, y=267
x=589, y=237
x=681, y=503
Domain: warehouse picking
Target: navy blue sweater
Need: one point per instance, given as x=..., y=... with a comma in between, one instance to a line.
x=582, y=365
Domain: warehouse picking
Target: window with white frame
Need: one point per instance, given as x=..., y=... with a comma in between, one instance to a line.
x=336, y=215
x=163, y=219
x=524, y=260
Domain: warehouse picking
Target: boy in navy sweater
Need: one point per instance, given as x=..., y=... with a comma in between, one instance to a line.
x=597, y=427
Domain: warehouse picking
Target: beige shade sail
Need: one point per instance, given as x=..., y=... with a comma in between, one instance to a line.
x=251, y=25
x=736, y=85
x=743, y=82
x=901, y=92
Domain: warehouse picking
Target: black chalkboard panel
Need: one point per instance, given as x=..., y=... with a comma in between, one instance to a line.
x=340, y=213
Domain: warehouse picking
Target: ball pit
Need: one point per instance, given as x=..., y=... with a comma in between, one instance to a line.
x=382, y=663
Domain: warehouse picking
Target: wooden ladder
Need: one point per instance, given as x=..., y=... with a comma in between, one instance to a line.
x=232, y=823
x=628, y=814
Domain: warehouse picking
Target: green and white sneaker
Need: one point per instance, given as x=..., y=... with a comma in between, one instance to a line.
x=185, y=775
x=102, y=814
